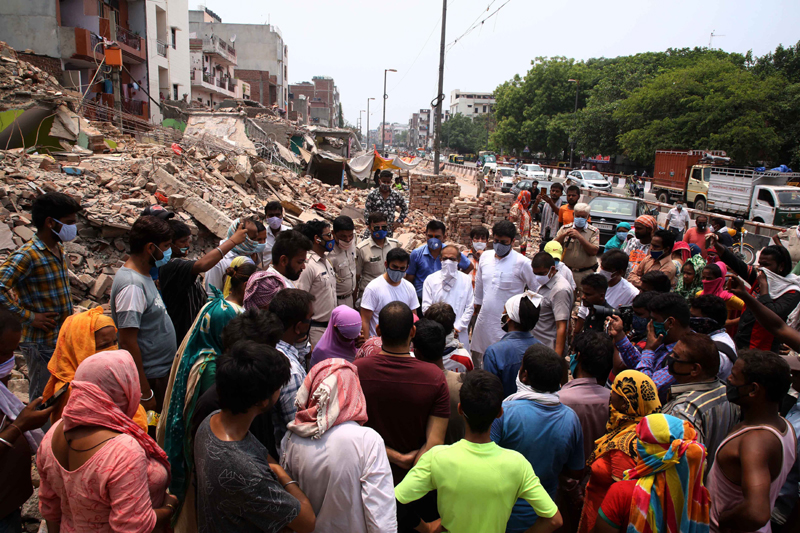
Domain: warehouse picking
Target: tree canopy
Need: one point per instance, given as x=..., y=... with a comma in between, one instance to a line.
x=677, y=99
x=466, y=135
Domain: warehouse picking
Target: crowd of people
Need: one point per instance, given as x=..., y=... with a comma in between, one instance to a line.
x=310, y=379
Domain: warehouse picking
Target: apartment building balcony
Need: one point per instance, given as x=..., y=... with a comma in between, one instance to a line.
x=224, y=52
x=161, y=48
x=215, y=84
x=132, y=45
x=82, y=45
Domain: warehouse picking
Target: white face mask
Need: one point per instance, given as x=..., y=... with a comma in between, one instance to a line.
x=542, y=279
x=449, y=268
x=606, y=274
x=478, y=246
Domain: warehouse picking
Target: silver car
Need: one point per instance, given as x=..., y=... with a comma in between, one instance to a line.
x=588, y=179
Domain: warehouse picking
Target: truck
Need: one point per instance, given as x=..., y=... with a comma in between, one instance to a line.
x=488, y=159
x=763, y=197
x=683, y=175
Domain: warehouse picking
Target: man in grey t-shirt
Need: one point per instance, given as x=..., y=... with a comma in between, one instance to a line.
x=145, y=328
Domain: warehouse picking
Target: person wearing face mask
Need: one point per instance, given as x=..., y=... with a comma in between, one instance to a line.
x=581, y=242
x=593, y=292
x=390, y=287
x=179, y=280
x=619, y=239
x=698, y=395
x=145, y=329
x=37, y=273
x=708, y=317
x=774, y=286
x=319, y=277
x=427, y=259
x=294, y=308
x=555, y=249
x=453, y=287
x=557, y=298
x=385, y=200
x=697, y=234
x=638, y=247
x=273, y=217
x=678, y=220
x=252, y=247
x=668, y=324
x=504, y=358
x=659, y=258
x=620, y=292
x=479, y=238
x=343, y=259
x=760, y=450
x=371, y=252
x=502, y=273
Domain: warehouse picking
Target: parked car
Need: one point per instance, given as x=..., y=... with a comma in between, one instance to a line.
x=505, y=175
x=527, y=185
x=588, y=179
x=532, y=171
x=606, y=214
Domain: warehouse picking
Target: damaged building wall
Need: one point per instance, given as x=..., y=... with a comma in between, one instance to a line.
x=31, y=24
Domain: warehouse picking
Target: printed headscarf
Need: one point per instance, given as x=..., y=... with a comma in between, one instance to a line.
x=641, y=399
x=106, y=393
x=330, y=395
x=669, y=496
x=262, y=288
x=689, y=291
x=648, y=221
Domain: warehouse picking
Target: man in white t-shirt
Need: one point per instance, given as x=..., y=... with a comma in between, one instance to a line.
x=387, y=288
x=678, y=220
x=620, y=292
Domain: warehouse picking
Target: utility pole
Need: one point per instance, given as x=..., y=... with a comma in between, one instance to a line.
x=115, y=80
x=383, y=124
x=439, y=96
x=574, y=113
x=369, y=146
x=360, y=120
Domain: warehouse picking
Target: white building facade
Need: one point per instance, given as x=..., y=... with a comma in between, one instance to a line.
x=471, y=104
x=167, y=51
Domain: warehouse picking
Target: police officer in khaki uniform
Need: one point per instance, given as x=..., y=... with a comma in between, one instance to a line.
x=581, y=242
x=319, y=278
x=371, y=252
x=343, y=259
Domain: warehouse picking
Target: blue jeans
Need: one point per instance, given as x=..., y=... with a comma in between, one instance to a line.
x=11, y=523
x=37, y=356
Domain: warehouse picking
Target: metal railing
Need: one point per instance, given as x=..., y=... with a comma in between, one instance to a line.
x=216, y=44
x=133, y=107
x=129, y=38
x=161, y=48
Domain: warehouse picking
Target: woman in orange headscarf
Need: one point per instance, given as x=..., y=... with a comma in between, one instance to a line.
x=521, y=216
x=82, y=335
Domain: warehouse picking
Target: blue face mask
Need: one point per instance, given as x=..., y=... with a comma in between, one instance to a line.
x=579, y=222
x=329, y=245
x=434, y=244
x=573, y=364
x=185, y=251
x=165, y=257
x=622, y=235
x=260, y=247
x=501, y=250
x=380, y=234
x=656, y=254
x=395, y=275
x=67, y=233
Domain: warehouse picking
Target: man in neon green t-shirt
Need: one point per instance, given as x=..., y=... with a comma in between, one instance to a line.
x=477, y=482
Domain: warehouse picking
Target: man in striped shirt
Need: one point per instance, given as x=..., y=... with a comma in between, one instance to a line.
x=548, y=222
x=699, y=396
x=38, y=273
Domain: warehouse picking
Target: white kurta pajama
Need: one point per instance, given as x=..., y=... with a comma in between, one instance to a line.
x=497, y=280
x=458, y=293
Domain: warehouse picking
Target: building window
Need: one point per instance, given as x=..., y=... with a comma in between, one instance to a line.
x=174, y=38
x=174, y=91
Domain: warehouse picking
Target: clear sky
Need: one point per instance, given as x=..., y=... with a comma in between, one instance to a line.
x=355, y=40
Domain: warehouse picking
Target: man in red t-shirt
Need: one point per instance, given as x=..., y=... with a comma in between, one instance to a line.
x=697, y=234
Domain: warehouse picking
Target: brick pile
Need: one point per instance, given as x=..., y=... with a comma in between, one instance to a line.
x=464, y=214
x=433, y=194
x=497, y=205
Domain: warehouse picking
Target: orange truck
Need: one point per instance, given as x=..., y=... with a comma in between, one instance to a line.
x=683, y=175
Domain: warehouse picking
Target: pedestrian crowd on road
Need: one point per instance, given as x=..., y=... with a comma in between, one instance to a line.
x=307, y=378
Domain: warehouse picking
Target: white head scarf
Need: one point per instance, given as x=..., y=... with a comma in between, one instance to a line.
x=512, y=304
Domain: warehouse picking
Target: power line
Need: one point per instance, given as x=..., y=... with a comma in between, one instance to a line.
x=477, y=24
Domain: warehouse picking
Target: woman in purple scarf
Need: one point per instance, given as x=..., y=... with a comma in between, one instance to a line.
x=339, y=340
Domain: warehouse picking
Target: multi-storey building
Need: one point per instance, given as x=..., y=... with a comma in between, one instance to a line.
x=322, y=96
x=471, y=104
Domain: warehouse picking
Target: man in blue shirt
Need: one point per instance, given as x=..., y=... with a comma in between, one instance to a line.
x=504, y=358
x=537, y=425
x=427, y=259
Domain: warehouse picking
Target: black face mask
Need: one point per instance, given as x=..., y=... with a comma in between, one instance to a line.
x=732, y=392
x=701, y=227
x=504, y=323
x=703, y=324
x=671, y=366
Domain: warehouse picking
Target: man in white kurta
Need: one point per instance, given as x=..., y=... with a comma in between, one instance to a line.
x=502, y=273
x=450, y=286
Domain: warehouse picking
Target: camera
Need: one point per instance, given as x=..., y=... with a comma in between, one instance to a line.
x=625, y=313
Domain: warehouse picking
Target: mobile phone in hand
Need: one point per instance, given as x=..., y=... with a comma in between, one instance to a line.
x=53, y=399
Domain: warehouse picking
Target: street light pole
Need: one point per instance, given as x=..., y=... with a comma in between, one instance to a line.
x=368, y=145
x=572, y=140
x=383, y=124
x=439, y=96
x=360, y=120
